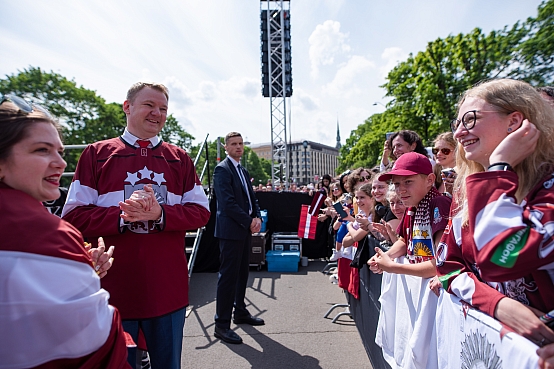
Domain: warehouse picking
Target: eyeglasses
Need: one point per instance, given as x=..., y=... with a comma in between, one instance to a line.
x=24, y=106
x=444, y=150
x=365, y=178
x=469, y=118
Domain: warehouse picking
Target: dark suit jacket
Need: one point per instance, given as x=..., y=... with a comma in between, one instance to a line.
x=232, y=220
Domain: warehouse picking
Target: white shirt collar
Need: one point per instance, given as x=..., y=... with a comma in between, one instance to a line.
x=132, y=139
x=235, y=163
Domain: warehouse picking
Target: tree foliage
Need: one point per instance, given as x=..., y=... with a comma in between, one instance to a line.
x=85, y=117
x=424, y=89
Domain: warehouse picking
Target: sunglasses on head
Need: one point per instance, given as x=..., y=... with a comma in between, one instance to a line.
x=444, y=150
x=23, y=106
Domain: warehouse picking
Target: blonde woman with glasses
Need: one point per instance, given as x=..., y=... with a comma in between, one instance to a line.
x=499, y=251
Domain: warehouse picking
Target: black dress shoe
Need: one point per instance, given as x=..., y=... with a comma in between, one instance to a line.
x=252, y=320
x=227, y=335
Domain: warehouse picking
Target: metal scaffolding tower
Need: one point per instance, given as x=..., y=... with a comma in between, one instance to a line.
x=277, y=79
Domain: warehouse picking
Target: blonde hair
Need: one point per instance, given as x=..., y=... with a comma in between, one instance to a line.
x=447, y=137
x=137, y=87
x=509, y=96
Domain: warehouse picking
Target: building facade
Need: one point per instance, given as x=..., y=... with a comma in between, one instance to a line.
x=309, y=160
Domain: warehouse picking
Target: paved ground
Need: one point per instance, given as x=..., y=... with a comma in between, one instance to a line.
x=295, y=335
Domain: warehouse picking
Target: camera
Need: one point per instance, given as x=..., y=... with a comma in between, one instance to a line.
x=448, y=172
x=346, y=199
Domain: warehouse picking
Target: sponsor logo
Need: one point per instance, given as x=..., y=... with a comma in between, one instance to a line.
x=437, y=217
x=442, y=250
x=507, y=252
x=131, y=184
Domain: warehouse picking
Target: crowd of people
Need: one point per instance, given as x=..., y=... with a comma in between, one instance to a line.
x=473, y=219
x=310, y=188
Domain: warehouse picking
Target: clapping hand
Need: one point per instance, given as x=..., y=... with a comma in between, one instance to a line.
x=141, y=206
x=101, y=260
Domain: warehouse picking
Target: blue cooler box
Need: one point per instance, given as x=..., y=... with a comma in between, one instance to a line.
x=282, y=261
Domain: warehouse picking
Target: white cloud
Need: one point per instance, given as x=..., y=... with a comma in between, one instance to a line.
x=392, y=56
x=351, y=78
x=306, y=101
x=326, y=43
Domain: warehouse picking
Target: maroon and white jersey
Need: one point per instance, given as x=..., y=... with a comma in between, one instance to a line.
x=53, y=313
x=508, y=246
x=149, y=277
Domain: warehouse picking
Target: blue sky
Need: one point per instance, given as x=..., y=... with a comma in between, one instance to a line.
x=208, y=53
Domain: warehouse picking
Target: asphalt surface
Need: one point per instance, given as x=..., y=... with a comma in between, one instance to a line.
x=295, y=334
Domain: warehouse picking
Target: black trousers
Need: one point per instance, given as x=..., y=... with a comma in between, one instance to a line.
x=232, y=279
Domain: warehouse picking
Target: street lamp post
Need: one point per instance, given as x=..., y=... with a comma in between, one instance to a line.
x=305, y=144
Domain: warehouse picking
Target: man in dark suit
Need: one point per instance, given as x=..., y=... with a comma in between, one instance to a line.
x=237, y=217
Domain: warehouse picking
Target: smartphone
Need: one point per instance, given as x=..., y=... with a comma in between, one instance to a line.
x=389, y=135
x=340, y=210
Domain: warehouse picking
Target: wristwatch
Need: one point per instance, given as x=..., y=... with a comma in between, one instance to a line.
x=500, y=166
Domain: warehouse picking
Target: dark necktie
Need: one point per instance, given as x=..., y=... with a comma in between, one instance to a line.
x=243, y=181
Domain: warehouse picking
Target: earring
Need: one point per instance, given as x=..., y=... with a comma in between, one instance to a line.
x=509, y=129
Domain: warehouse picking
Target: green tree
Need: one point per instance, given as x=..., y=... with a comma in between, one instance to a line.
x=254, y=166
x=425, y=88
x=85, y=116
x=173, y=132
x=266, y=166
x=537, y=50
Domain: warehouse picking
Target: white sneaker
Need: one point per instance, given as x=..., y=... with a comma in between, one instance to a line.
x=336, y=255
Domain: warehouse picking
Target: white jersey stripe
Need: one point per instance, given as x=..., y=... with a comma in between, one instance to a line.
x=463, y=286
x=196, y=196
x=79, y=195
x=495, y=218
x=50, y=308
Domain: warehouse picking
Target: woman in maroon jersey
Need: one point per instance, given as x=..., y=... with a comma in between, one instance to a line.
x=500, y=240
x=53, y=312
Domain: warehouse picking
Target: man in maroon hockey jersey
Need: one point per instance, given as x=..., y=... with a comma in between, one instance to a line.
x=142, y=194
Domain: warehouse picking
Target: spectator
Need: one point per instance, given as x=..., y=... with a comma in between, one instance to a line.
x=402, y=142
x=424, y=220
x=325, y=183
x=343, y=180
x=444, y=150
x=360, y=226
x=502, y=218
x=389, y=229
x=53, y=312
x=379, y=191
x=143, y=194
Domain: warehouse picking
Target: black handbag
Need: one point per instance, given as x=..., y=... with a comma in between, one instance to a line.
x=363, y=252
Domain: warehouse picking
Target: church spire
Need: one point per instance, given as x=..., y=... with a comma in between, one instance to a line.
x=338, y=135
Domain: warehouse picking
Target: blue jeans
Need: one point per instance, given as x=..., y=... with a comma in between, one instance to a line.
x=164, y=339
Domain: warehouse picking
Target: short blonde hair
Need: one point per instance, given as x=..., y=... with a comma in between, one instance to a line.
x=137, y=87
